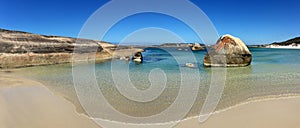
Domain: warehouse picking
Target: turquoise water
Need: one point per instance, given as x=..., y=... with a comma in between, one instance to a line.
x=272, y=72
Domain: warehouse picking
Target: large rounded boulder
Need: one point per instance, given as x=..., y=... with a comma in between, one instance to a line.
x=229, y=51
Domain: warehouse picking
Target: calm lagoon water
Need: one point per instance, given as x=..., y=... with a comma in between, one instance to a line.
x=273, y=72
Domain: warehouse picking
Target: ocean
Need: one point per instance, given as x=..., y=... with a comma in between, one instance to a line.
x=157, y=82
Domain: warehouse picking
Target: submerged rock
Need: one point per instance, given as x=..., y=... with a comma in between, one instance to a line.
x=138, y=57
x=127, y=58
x=229, y=51
x=190, y=65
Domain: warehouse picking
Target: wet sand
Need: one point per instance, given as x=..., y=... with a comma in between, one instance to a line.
x=28, y=104
x=279, y=113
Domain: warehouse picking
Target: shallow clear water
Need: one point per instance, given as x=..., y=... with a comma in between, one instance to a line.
x=272, y=72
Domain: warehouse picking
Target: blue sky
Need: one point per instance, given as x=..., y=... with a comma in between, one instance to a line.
x=255, y=21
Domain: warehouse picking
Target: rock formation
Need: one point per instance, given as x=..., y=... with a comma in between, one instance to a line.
x=137, y=57
x=229, y=51
x=23, y=42
x=22, y=49
x=197, y=47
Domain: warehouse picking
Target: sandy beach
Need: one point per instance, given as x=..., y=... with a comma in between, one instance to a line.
x=276, y=113
x=28, y=104
x=283, y=47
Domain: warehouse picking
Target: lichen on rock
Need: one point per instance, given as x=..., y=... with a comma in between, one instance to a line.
x=229, y=51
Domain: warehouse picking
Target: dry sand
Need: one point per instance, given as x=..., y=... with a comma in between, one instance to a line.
x=283, y=47
x=28, y=104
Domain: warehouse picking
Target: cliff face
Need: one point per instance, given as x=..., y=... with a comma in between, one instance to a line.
x=19, y=49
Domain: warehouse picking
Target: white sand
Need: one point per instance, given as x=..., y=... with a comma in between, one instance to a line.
x=280, y=113
x=28, y=104
x=284, y=47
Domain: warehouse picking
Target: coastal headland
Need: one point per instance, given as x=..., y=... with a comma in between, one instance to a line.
x=23, y=49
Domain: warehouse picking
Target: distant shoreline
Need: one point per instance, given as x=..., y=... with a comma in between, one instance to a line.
x=283, y=47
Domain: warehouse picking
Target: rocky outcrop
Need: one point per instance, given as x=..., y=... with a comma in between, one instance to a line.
x=21, y=49
x=137, y=57
x=229, y=51
x=22, y=42
x=196, y=47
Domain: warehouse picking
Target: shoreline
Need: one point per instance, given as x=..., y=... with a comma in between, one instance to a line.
x=275, y=113
x=63, y=58
x=19, y=83
x=253, y=100
x=250, y=100
x=23, y=49
x=231, y=108
x=283, y=47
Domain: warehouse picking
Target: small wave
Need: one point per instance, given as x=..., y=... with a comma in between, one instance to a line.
x=248, y=101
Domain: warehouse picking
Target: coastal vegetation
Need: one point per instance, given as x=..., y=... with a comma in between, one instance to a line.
x=289, y=42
